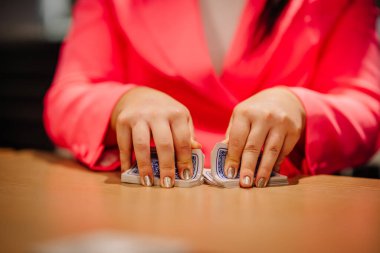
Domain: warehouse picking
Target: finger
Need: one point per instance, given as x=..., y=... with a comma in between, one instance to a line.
x=141, y=141
x=289, y=144
x=124, y=142
x=163, y=138
x=228, y=132
x=239, y=131
x=272, y=147
x=182, y=146
x=251, y=154
x=194, y=143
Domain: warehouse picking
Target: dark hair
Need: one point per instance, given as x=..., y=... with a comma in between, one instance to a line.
x=266, y=22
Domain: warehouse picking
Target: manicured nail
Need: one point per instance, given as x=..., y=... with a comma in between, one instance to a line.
x=186, y=174
x=261, y=183
x=247, y=181
x=230, y=172
x=147, y=181
x=167, y=182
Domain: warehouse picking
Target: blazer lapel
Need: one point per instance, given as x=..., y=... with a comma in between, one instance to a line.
x=250, y=70
x=169, y=35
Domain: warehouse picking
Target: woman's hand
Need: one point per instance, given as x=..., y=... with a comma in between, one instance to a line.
x=144, y=112
x=274, y=120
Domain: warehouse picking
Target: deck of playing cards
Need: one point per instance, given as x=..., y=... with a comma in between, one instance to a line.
x=217, y=177
x=132, y=175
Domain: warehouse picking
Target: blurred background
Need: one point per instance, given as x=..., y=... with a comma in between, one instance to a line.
x=31, y=32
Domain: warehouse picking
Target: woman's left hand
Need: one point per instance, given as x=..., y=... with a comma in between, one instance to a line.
x=273, y=119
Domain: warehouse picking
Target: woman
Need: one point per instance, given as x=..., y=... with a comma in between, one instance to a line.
x=297, y=80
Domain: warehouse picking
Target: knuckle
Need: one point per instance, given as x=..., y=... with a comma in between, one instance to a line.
x=184, y=111
x=275, y=150
x=165, y=145
x=296, y=130
x=167, y=168
x=267, y=115
x=139, y=146
x=243, y=111
x=123, y=152
x=183, y=147
x=183, y=140
x=151, y=115
x=246, y=112
x=282, y=118
x=234, y=143
x=233, y=159
x=144, y=165
x=264, y=114
x=178, y=112
x=175, y=113
x=184, y=163
x=123, y=119
x=252, y=148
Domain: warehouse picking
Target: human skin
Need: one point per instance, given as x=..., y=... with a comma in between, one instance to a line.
x=272, y=122
x=273, y=119
x=143, y=113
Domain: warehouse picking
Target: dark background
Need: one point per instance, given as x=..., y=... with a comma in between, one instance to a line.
x=31, y=32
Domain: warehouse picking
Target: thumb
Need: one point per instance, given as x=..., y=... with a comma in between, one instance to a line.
x=195, y=144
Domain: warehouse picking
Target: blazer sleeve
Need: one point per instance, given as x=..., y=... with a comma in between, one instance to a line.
x=87, y=84
x=342, y=107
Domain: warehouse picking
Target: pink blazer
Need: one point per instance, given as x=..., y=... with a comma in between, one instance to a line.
x=325, y=52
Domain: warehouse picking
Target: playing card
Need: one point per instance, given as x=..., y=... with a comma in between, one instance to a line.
x=208, y=177
x=132, y=175
x=218, y=158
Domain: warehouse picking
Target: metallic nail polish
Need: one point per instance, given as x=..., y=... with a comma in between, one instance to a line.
x=230, y=173
x=186, y=174
x=147, y=181
x=167, y=182
x=247, y=181
x=261, y=183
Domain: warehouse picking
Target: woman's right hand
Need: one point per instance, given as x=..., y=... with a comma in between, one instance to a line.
x=143, y=112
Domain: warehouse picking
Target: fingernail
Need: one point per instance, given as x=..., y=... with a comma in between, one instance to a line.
x=230, y=172
x=261, y=183
x=247, y=181
x=147, y=181
x=186, y=174
x=167, y=182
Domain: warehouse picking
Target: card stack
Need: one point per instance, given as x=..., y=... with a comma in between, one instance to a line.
x=216, y=175
x=132, y=175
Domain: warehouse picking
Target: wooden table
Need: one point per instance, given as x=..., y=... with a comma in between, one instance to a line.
x=44, y=197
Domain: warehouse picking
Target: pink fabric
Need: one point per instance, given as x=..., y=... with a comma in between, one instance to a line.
x=325, y=52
